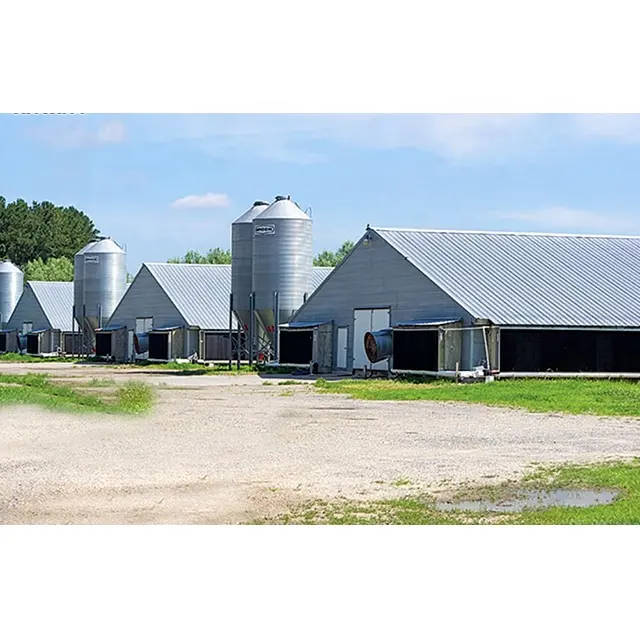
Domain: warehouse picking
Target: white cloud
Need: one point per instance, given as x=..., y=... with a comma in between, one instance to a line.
x=208, y=200
x=578, y=220
x=75, y=131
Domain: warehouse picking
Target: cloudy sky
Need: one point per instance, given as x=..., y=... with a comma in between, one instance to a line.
x=164, y=184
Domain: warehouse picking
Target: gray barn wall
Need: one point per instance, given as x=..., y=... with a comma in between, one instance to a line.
x=145, y=298
x=192, y=343
x=378, y=276
x=28, y=309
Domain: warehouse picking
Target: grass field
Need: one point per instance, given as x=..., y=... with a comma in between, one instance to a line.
x=420, y=509
x=577, y=396
x=37, y=389
x=16, y=357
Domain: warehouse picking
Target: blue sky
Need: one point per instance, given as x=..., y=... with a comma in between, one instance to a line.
x=163, y=184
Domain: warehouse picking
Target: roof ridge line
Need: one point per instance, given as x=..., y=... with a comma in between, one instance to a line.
x=510, y=233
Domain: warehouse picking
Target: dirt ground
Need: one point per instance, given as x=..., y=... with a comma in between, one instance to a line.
x=226, y=450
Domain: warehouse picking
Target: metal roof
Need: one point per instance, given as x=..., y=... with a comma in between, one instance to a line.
x=56, y=300
x=104, y=245
x=111, y=327
x=427, y=323
x=282, y=207
x=318, y=276
x=201, y=292
x=8, y=267
x=303, y=325
x=247, y=217
x=530, y=279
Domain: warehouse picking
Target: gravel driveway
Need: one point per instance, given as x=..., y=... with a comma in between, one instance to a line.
x=227, y=450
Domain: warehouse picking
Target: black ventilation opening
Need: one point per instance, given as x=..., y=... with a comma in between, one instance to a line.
x=415, y=350
x=158, y=346
x=33, y=343
x=570, y=351
x=296, y=347
x=103, y=345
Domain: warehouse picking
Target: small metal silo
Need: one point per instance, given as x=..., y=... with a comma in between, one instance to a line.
x=11, y=284
x=242, y=261
x=282, y=262
x=101, y=274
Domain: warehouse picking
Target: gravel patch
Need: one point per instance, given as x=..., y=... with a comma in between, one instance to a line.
x=230, y=449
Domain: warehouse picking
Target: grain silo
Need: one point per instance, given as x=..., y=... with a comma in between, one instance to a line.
x=78, y=285
x=100, y=281
x=242, y=261
x=282, y=262
x=11, y=284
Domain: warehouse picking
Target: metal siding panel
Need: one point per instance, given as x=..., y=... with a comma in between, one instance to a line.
x=28, y=309
x=377, y=276
x=146, y=298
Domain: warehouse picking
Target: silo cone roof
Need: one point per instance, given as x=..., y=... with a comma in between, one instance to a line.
x=283, y=209
x=104, y=246
x=86, y=248
x=258, y=207
x=8, y=267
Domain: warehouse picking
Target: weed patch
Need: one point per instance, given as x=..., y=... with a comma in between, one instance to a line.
x=623, y=477
x=37, y=389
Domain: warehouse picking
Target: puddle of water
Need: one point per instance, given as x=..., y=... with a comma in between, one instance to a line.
x=535, y=500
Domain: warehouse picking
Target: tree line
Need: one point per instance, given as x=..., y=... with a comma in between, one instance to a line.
x=41, y=238
x=223, y=256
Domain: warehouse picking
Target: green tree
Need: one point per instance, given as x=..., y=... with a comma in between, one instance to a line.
x=42, y=230
x=213, y=256
x=333, y=259
x=51, y=270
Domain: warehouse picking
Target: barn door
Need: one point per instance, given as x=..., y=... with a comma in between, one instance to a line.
x=341, y=355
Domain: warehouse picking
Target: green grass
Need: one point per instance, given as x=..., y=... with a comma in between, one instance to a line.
x=576, y=396
x=16, y=357
x=186, y=368
x=420, y=510
x=37, y=389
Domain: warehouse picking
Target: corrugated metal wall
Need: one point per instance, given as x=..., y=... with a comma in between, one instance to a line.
x=28, y=310
x=377, y=276
x=145, y=298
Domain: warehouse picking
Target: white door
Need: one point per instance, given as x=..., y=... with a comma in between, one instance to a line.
x=367, y=320
x=343, y=333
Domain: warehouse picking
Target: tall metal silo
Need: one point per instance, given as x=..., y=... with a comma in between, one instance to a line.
x=242, y=261
x=103, y=278
x=11, y=284
x=78, y=283
x=282, y=262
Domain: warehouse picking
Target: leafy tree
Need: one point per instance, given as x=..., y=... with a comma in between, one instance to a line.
x=42, y=230
x=51, y=270
x=213, y=256
x=332, y=259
